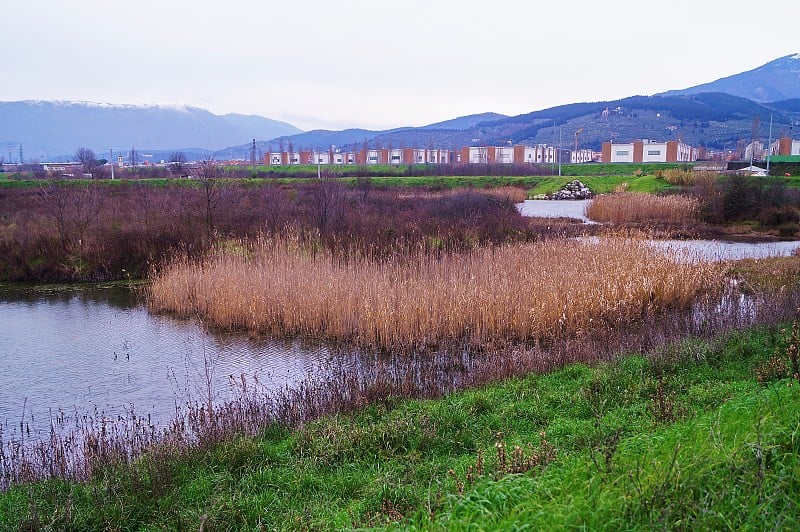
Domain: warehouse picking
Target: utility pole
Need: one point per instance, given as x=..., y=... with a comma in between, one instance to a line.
x=253, y=154
x=559, y=151
x=553, y=165
x=756, y=124
x=769, y=143
x=111, y=160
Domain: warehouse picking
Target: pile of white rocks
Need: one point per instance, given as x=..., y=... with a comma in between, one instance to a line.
x=574, y=190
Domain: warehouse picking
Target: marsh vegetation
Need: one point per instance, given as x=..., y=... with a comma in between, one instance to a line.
x=476, y=357
x=487, y=297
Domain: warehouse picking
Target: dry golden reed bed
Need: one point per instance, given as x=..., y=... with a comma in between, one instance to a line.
x=487, y=297
x=632, y=207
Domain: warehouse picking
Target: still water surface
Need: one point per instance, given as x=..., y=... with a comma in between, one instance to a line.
x=715, y=250
x=555, y=209
x=97, y=349
x=718, y=250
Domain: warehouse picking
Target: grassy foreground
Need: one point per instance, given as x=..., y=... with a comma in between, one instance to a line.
x=699, y=436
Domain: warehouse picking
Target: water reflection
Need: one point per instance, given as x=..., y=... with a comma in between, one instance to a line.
x=81, y=350
x=555, y=209
x=117, y=296
x=87, y=350
x=717, y=250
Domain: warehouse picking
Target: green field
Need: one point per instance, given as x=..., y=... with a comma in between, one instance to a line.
x=534, y=184
x=572, y=170
x=687, y=439
x=619, y=169
x=603, y=184
x=599, y=177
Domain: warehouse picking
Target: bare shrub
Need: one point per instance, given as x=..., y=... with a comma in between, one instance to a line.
x=65, y=231
x=512, y=194
x=686, y=178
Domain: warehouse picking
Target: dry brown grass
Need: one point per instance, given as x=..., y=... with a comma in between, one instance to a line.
x=684, y=178
x=513, y=194
x=486, y=297
x=632, y=207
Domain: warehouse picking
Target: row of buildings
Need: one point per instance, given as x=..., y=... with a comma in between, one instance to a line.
x=540, y=153
x=759, y=151
x=640, y=151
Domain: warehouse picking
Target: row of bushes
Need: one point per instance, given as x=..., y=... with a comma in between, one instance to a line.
x=69, y=232
x=737, y=198
x=706, y=197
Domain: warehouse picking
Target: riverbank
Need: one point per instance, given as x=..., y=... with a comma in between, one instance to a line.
x=702, y=434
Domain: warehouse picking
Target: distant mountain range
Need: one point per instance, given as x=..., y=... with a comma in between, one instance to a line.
x=720, y=114
x=465, y=122
x=715, y=120
x=775, y=81
x=53, y=129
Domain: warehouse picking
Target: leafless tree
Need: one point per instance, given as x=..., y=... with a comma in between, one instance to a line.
x=365, y=149
x=389, y=149
x=177, y=160
x=364, y=185
x=279, y=208
x=327, y=203
x=87, y=158
x=211, y=189
x=73, y=209
x=133, y=155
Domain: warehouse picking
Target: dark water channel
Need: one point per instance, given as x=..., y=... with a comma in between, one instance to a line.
x=90, y=350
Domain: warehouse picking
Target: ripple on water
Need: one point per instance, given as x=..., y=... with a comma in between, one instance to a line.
x=78, y=354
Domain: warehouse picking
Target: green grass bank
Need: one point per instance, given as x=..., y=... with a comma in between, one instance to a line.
x=533, y=184
x=702, y=435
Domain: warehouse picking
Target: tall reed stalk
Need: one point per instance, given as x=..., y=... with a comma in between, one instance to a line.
x=490, y=296
x=635, y=207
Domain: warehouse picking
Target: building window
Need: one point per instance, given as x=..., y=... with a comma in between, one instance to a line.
x=653, y=152
x=623, y=153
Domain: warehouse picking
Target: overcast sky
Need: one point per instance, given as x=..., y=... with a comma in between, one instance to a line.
x=374, y=64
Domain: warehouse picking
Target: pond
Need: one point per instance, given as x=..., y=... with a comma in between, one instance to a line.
x=719, y=250
x=715, y=250
x=97, y=349
x=555, y=209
